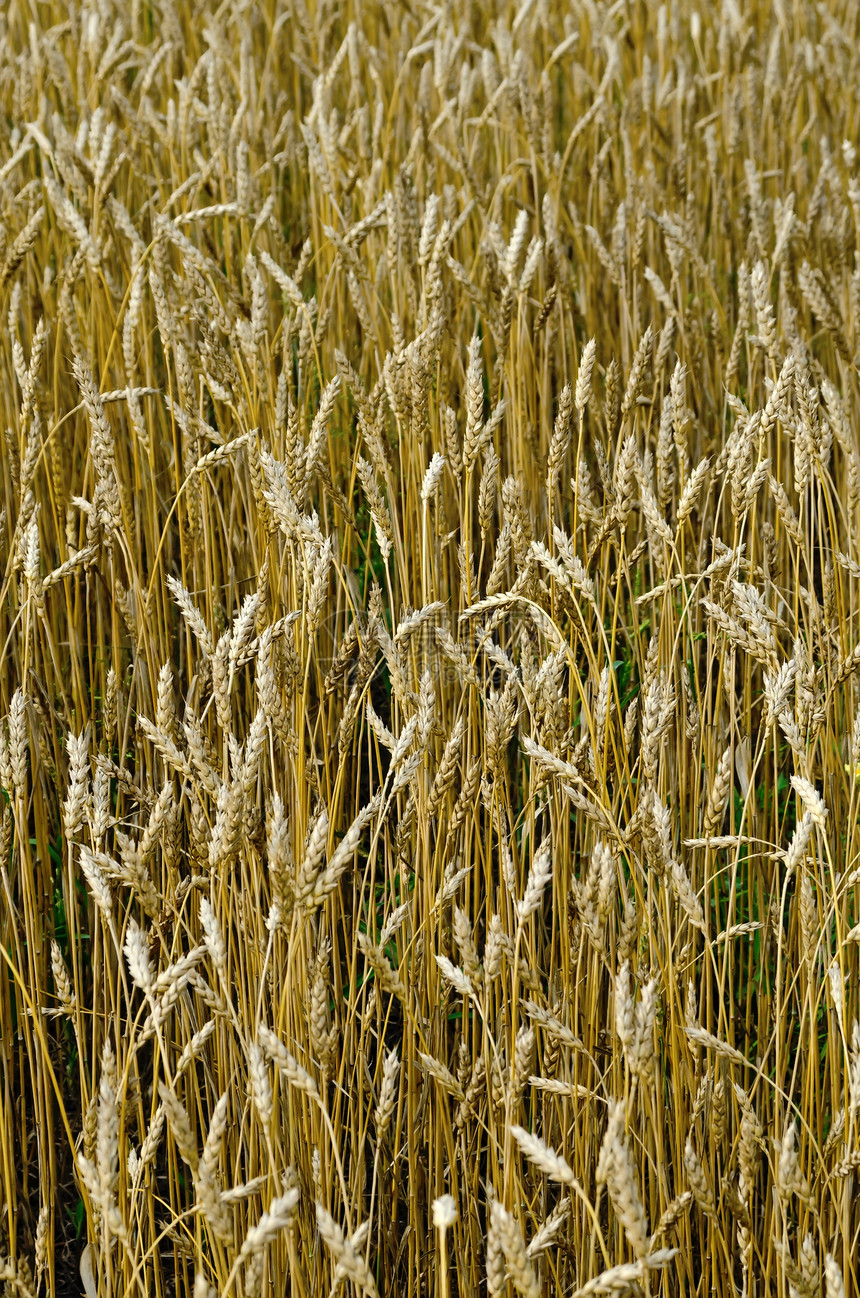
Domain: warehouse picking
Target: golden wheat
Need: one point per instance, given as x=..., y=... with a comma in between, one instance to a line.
x=430, y=623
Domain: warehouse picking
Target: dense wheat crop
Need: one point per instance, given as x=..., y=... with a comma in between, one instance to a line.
x=429, y=648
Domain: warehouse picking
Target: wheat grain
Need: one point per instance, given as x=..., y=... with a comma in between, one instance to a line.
x=310, y=354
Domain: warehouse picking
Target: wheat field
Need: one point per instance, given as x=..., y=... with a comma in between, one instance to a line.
x=430, y=625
